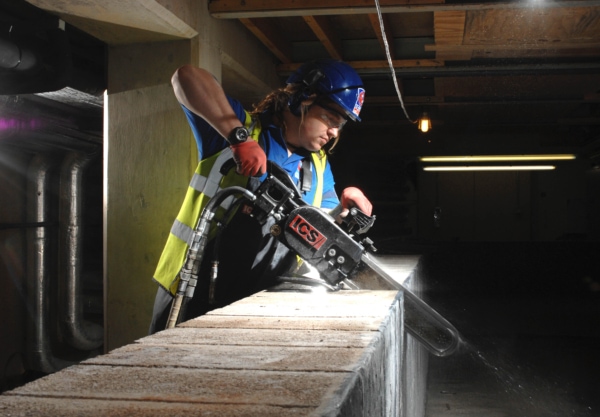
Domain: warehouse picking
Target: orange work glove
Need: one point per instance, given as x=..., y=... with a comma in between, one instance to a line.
x=250, y=159
x=353, y=197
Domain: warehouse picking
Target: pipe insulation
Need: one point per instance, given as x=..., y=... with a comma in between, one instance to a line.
x=78, y=332
x=39, y=349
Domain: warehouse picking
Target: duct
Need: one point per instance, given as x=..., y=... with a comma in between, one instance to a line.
x=10, y=54
x=17, y=58
x=30, y=64
x=78, y=332
x=39, y=351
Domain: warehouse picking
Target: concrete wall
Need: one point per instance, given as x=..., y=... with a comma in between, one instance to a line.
x=416, y=366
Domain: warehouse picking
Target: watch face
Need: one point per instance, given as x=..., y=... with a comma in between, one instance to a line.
x=241, y=134
x=238, y=135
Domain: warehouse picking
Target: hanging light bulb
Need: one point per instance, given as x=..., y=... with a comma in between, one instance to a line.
x=424, y=123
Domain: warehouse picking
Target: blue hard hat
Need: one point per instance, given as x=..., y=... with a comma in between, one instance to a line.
x=333, y=79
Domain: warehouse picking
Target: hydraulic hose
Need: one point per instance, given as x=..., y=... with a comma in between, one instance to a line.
x=214, y=271
x=188, y=277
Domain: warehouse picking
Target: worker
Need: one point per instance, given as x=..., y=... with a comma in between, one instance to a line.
x=291, y=126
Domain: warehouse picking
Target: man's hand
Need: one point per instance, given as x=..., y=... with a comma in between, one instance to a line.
x=250, y=159
x=353, y=197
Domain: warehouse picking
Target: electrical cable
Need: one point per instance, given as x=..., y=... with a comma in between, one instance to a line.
x=389, y=59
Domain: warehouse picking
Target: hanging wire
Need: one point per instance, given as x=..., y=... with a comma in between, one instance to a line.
x=390, y=63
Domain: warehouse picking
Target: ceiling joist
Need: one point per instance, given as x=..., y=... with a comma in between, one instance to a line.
x=321, y=26
x=227, y=9
x=267, y=34
x=374, y=67
x=383, y=38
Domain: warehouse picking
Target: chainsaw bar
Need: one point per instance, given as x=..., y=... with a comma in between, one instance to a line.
x=421, y=321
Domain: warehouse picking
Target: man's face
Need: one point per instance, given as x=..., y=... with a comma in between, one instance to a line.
x=322, y=122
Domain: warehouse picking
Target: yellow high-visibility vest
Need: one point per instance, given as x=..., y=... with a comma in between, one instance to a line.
x=206, y=182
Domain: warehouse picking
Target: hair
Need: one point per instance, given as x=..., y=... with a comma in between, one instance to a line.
x=277, y=101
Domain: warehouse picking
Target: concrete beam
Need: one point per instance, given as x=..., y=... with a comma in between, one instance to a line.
x=119, y=22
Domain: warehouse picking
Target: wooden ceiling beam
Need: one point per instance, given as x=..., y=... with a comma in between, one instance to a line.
x=228, y=9
x=374, y=66
x=449, y=27
x=321, y=27
x=269, y=36
x=449, y=30
x=374, y=19
x=437, y=68
x=511, y=47
x=397, y=63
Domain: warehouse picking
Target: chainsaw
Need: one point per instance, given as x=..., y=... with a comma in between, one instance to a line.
x=340, y=252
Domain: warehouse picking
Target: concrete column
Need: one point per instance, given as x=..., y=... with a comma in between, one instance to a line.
x=150, y=153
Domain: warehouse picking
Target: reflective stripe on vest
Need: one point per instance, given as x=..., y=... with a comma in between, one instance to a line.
x=320, y=161
x=206, y=182
x=206, y=187
x=176, y=248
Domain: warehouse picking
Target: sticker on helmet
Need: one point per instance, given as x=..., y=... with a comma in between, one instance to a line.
x=360, y=98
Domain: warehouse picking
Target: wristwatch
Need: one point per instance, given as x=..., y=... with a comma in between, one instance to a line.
x=238, y=135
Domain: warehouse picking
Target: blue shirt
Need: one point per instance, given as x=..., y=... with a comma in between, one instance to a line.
x=209, y=142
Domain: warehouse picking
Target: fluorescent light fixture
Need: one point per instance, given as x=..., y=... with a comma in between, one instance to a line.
x=488, y=158
x=491, y=168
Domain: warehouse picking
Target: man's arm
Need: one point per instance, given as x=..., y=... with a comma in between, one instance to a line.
x=200, y=93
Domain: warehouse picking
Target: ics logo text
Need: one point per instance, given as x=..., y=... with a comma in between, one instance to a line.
x=307, y=232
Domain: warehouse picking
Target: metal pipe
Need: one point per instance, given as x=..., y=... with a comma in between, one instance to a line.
x=39, y=350
x=78, y=332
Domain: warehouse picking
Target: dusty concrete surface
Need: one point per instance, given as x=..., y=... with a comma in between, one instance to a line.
x=275, y=353
x=59, y=407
